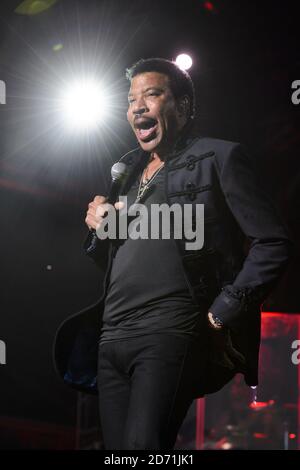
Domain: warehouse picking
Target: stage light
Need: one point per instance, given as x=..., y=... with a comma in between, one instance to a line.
x=83, y=105
x=34, y=7
x=57, y=47
x=184, y=61
x=209, y=6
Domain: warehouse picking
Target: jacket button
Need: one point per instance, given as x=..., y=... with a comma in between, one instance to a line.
x=190, y=162
x=190, y=186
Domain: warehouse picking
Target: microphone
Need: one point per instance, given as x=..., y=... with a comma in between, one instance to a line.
x=118, y=174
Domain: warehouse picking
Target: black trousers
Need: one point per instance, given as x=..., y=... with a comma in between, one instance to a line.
x=146, y=386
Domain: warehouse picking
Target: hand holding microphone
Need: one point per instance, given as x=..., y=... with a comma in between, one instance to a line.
x=98, y=208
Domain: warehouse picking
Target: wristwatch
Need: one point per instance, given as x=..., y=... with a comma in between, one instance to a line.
x=215, y=321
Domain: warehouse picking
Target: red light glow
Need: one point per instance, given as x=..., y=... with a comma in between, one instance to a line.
x=209, y=6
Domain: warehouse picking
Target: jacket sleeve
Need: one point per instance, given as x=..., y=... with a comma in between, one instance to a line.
x=270, y=244
x=98, y=250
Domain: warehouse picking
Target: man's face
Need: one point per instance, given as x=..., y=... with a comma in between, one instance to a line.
x=153, y=113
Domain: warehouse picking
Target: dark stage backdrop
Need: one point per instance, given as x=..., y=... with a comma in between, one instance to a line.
x=246, y=57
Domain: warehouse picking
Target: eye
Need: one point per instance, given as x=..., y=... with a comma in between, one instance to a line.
x=131, y=100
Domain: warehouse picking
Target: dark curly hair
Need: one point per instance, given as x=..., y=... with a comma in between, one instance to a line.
x=181, y=83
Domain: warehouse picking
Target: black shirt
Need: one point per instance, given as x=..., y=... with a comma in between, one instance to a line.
x=147, y=291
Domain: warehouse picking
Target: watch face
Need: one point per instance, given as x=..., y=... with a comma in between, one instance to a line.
x=217, y=321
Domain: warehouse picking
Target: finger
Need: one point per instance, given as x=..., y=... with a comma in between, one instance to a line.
x=119, y=205
x=91, y=223
x=92, y=216
x=94, y=205
x=99, y=199
x=91, y=212
x=102, y=209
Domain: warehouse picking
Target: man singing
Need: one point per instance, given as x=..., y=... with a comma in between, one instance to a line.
x=173, y=323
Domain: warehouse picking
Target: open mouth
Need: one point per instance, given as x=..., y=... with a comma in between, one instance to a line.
x=146, y=128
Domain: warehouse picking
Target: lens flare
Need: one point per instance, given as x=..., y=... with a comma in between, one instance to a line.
x=84, y=105
x=184, y=61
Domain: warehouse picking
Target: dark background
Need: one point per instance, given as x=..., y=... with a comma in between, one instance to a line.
x=246, y=56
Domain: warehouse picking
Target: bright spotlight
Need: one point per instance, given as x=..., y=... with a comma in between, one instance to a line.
x=84, y=105
x=184, y=61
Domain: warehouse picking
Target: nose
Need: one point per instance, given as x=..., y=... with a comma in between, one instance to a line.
x=140, y=111
x=139, y=107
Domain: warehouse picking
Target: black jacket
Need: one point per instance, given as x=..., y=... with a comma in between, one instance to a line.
x=246, y=249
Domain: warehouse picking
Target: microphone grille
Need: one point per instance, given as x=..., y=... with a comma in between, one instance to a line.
x=118, y=171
